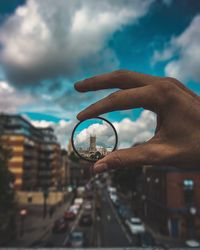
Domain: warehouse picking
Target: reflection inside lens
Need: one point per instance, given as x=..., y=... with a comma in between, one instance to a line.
x=93, y=139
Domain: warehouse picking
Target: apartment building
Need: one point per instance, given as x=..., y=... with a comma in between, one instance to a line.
x=168, y=200
x=35, y=153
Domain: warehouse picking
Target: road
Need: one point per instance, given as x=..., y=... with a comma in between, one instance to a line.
x=107, y=229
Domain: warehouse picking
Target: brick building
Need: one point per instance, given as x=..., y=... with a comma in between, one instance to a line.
x=168, y=200
x=36, y=154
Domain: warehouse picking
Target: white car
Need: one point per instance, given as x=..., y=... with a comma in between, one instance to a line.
x=192, y=243
x=135, y=225
x=113, y=197
x=78, y=201
x=74, y=209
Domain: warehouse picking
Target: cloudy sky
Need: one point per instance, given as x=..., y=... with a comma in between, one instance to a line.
x=46, y=46
x=102, y=130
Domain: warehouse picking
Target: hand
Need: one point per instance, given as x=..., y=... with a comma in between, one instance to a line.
x=177, y=138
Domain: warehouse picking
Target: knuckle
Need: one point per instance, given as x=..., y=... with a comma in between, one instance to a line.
x=112, y=97
x=165, y=92
x=116, y=160
x=120, y=72
x=171, y=79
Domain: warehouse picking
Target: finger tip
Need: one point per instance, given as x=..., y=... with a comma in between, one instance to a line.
x=100, y=167
x=80, y=117
x=77, y=85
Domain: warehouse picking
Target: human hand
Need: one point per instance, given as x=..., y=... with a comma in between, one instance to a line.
x=177, y=137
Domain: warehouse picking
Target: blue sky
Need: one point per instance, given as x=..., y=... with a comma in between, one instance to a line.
x=46, y=46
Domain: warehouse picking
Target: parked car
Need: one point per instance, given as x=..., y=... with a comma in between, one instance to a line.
x=192, y=243
x=60, y=226
x=113, y=197
x=135, y=225
x=69, y=215
x=124, y=212
x=111, y=189
x=86, y=220
x=76, y=239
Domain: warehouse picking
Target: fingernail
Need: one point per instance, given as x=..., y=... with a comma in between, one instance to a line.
x=76, y=85
x=101, y=167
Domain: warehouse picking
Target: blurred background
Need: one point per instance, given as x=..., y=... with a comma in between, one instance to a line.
x=48, y=196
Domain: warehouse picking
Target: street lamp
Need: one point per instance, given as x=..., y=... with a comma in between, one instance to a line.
x=45, y=196
x=193, y=210
x=23, y=213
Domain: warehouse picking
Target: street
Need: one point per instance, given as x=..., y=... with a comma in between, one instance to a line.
x=107, y=229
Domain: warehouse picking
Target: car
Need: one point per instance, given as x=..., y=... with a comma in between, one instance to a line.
x=69, y=215
x=78, y=201
x=86, y=220
x=89, y=195
x=76, y=239
x=111, y=189
x=113, y=197
x=124, y=212
x=74, y=209
x=87, y=206
x=192, y=243
x=135, y=225
x=60, y=226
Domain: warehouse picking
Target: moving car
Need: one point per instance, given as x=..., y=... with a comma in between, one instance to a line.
x=76, y=239
x=87, y=206
x=78, y=201
x=86, y=220
x=74, y=209
x=60, y=226
x=69, y=215
x=135, y=225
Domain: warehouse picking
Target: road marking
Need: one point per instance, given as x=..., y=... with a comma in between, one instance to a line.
x=119, y=221
x=73, y=227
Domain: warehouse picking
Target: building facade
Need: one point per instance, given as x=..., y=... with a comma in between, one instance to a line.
x=168, y=200
x=35, y=153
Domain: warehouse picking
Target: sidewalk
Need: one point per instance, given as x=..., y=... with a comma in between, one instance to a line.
x=36, y=227
x=165, y=241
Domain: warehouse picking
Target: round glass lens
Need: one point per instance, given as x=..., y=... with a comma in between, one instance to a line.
x=94, y=138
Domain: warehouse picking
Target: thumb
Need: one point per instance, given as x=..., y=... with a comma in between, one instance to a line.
x=144, y=154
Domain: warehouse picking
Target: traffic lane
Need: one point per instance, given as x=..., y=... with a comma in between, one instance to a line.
x=112, y=233
x=88, y=230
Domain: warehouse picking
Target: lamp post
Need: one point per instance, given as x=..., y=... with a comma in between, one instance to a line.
x=23, y=214
x=45, y=196
x=193, y=212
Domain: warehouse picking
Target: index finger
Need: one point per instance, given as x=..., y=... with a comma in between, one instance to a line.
x=122, y=79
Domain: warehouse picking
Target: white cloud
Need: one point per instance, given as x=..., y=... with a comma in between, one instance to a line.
x=183, y=53
x=105, y=136
x=48, y=38
x=63, y=129
x=129, y=132
x=12, y=100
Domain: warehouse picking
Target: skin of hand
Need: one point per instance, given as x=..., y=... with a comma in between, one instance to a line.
x=177, y=137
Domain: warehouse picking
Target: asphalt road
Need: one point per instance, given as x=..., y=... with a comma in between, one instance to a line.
x=110, y=230
x=106, y=231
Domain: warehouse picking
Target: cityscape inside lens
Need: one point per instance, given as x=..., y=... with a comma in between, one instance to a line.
x=94, y=138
